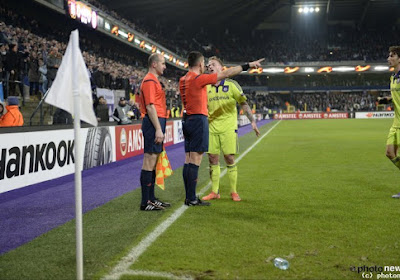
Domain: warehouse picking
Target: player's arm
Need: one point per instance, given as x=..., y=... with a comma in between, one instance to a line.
x=247, y=111
x=233, y=71
x=152, y=113
x=384, y=99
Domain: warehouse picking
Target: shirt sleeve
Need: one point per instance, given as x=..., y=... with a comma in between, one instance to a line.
x=206, y=79
x=238, y=92
x=149, y=89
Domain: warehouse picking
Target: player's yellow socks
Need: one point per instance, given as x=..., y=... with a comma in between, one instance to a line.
x=232, y=176
x=396, y=161
x=215, y=172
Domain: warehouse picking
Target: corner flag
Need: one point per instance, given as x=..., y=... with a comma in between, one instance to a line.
x=71, y=92
x=61, y=92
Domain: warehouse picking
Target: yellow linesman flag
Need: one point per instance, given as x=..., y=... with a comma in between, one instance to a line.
x=163, y=169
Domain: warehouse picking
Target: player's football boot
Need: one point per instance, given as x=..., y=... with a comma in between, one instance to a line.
x=150, y=206
x=196, y=202
x=158, y=202
x=396, y=195
x=211, y=196
x=235, y=196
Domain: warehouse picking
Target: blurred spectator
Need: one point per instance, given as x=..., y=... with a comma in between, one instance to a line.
x=11, y=67
x=33, y=73
x=62, y=117
x=102, y=110
x=53, y=63
x=13, y=116
x=121, y=112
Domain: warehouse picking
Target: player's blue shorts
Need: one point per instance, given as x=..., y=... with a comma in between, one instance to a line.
x=195, y=130
x=149, y=135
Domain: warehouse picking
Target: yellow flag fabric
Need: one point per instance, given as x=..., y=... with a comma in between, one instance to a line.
x=163, y=169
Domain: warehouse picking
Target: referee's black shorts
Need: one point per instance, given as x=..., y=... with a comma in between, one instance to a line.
x=195, y=130
x=149, y=135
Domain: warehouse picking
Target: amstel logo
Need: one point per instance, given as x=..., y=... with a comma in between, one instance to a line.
x=123, y=143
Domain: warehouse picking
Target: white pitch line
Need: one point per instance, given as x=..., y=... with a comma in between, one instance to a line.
x=123, y=266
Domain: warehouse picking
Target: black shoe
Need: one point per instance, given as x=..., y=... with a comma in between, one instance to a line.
x=196, y=202
x=158, y=202
x=150, y=206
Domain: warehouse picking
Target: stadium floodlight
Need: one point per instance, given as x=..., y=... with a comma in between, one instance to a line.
x=316, y=9
x=273, y=70
x=381, y=68
x=306, y=10
x=300, y=10
x=343, y=69
x=311, y=10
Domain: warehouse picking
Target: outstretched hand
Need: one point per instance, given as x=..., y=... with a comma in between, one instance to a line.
x=256, y=64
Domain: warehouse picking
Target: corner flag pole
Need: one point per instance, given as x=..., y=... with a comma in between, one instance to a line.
x=78, y=161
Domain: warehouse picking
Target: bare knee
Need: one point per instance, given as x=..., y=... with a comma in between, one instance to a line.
x=213, y=159
x=390, y=155
x=229, y=159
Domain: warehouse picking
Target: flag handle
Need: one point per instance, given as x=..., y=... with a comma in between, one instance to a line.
x=78, y=162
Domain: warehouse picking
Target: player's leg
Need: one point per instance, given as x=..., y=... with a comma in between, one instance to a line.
x=146, y=182
x=215, y=170
x=197, y=128
x=157, y=148
x=151, y=152
x=229, y=144
x=391, y=149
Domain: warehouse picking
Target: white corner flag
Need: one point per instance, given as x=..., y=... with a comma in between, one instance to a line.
x=72, y=79
x=71, y=91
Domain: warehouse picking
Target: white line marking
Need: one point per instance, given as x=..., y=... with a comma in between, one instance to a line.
x=157, y=274
x=123, y=266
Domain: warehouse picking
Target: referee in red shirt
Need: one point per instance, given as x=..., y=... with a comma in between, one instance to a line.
x=154, y=106
x=193, y=92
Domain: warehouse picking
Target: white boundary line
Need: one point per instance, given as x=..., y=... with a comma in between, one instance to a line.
x=123, y=265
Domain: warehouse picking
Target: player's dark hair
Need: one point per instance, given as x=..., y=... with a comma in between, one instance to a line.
x=153, y=58
x=216, y=59
x=194, y=58
x=395, y=50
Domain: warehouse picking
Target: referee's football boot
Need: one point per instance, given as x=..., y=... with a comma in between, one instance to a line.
x=196, y=202
x=150, y=206
x=158, y=202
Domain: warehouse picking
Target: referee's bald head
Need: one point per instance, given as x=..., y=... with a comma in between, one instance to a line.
x=155, y=57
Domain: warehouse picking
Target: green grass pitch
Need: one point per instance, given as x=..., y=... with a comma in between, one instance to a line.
x=316, y=192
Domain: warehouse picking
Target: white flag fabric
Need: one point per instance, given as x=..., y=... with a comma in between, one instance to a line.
x=61, y=93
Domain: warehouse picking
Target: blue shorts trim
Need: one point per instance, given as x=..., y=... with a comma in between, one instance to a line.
x=149, y=135
x=195, y=130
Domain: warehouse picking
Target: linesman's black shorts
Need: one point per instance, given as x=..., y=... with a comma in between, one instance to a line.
x=149, y=135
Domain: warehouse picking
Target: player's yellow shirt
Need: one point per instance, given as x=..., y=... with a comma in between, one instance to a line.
x=395, y=92
x=222, y=112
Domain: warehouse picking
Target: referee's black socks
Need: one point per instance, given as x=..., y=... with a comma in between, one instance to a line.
x=146, y=179
x=185, y=176
x=192, y=175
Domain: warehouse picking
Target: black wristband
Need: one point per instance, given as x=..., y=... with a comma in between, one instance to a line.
x=245, y=66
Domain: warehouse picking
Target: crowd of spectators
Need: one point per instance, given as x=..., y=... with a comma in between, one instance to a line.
x=30, y=51
x=335, y=43
x=355, y=101
x=35, y=50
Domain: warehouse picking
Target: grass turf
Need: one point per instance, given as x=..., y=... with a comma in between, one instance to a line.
x=108, y=232
x=316, y=192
